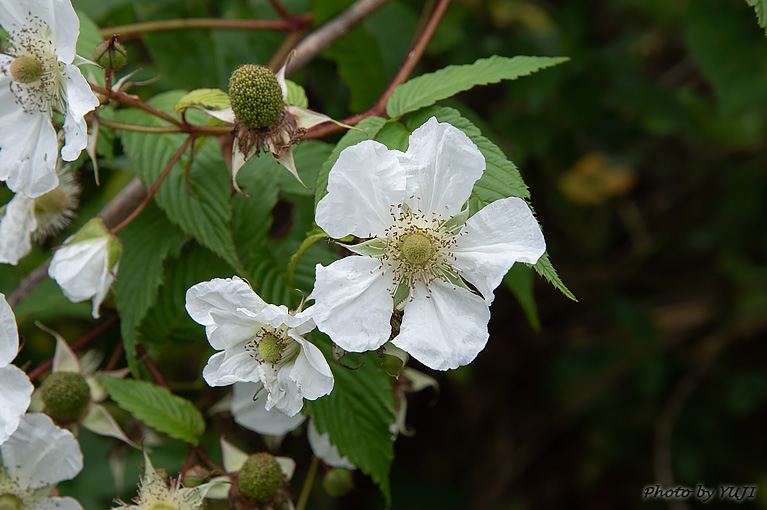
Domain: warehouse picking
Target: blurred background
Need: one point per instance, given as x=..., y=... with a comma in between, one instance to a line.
x=645, y=156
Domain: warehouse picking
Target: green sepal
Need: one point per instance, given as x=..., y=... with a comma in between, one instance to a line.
x=372, y=248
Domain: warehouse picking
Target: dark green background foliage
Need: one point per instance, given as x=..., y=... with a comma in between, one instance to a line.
x=656, y=375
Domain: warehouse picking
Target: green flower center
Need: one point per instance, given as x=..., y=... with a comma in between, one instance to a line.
x=416, y=248
x=161, y=505
x=66, y=395
x=26, y=69
x=270, y=348
x=256, y=96
x=10, y=502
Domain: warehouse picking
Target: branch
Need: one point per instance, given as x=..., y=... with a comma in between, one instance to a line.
x=155, y=186
x=330, y=31
x=412, y=59
x=189, y=128
x=114, y=212
x=136, y=103
x=283, y=25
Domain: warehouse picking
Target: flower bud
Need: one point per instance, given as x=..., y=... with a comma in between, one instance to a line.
x=338, y=481
x=110, y=55
x=259, y=477
x=66, y=395
x=256, y=96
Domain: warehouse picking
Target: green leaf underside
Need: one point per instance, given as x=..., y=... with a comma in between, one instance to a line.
x=501, y=178
x=296, y=95
x=357, y=415
x=519, y=280
x=205, y=214
x=545, y=269
x=157, y=407
x=148, y=240
x=429, y=88
x=370, y=127
x=214, y=99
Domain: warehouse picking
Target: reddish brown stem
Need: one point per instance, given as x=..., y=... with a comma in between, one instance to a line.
x=156, y=375
x=283, y=25
x=117, y=353
x=85, y=340
x=280, y=9
x=151, y=192
x=412, y=59
x=136, y=103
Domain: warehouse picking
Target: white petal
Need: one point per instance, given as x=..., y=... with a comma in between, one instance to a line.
x=502, y=233
x=325, y=450
x=229, y=367
x=9, y=333
x=249, y=411
x=282, y=392
x=79, y=268
x=105, y=282
x=353, y=304
x=16, y=229
x=444, y=328
x=80, y=100
x=56, y=503
x=14, y=399
x=13, y=13
x=65, y=27
x=442, y=165
x=28, y=151
x=311, y=372
x=39, y=453
x=221, y=306
x=364, y=186
x=275, y=316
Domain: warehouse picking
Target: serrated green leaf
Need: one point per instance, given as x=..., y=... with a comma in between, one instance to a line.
x=761, y=12
x=357, y=415
x=370, y=127
x=545, y=269
x=394, y=135
x=360, y=67
x=147, y=241
x=429, y=88
x=167, y=319
x=157, y=407
x=501, y=178
x=204, y=214
x=210, y=98
x=519, y=280
x=296, y=94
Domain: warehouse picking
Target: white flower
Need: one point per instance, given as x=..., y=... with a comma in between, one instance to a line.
x=33, y=219
x=35, y=458
x=37, y=77
x=259, y=342
x=85, y=265
x=16, y=387
x=422, y=249
x=157, y=494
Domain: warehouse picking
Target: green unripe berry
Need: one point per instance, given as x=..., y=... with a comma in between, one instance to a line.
x=10, y=502
x=260, y=477
x=338, y=482
x=110, y=55
x=66, y=395
x=256, y=96
x=26, y=69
